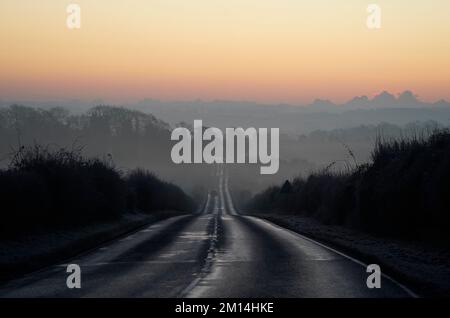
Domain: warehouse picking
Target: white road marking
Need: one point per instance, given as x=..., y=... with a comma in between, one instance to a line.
x=126, y=238
x=131, y=263
x=403, y=287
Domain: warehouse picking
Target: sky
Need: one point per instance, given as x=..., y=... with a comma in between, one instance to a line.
x=261, y=50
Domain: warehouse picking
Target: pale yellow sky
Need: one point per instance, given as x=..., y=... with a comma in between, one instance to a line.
x=263, y=50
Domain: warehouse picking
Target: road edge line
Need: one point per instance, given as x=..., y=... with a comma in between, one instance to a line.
x=402, y=286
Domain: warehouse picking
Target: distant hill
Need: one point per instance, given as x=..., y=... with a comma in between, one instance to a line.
x=321, y=114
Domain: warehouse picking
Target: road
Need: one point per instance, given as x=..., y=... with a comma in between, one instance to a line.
x=217, y=253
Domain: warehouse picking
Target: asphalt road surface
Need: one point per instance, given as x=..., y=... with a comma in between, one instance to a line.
x=217, y=253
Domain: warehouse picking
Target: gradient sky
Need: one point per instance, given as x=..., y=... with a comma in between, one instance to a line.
x=263, y=50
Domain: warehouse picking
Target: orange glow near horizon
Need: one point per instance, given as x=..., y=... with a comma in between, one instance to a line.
x=263, y=50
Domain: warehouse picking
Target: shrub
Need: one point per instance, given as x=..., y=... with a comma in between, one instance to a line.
x=404, y=192
x=147, y=193
x=44, y=189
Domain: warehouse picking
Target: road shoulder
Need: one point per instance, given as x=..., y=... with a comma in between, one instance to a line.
x=35, y=251
x=407, y=262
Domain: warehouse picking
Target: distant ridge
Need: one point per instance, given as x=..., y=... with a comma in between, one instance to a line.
x=385, y=99
x=406, y=99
